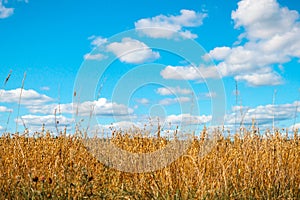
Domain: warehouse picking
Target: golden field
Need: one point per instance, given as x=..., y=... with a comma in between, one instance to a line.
x=240, y=166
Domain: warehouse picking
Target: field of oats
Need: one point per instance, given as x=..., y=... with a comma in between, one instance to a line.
x=248, y=165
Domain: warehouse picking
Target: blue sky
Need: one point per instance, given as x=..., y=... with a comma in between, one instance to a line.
x=127, y=61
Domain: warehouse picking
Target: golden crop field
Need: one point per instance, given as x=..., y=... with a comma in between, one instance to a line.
x=241, y=166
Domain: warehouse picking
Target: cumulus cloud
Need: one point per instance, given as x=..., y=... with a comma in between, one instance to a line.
x=29, y=97
x=128, y=50
x=257, y=79
x=218, y=53
x=264, y=114
x=45, y=88
x=35, y=122
x=125, y=125
x=173, y=90
x=97, y=41
x=152, y=27
x=132, y=51
x=100, y=107
x=97, y=56
x=210, y=94
x=264, y=19
x=187, y=119
x=189, y=72
x=5, y=12
x=143, y=101
x=104, y=108
x=272, y=38
x=169, y=101
x=5, y=109
x=49, y=120
x=120, y=125
x=296, y=126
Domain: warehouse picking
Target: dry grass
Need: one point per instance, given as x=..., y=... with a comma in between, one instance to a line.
x=244, y=167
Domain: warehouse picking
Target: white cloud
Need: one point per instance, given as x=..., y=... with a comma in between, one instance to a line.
x=263, y=19
x=101, y=107
x=240, y=108
x=45, y=88
x=97, y=40
x=153, y=27
x=143, y=101
x=169, y=101
x=132, y=51
x=272, y=38
x=124, y=125
x=188, y=119
x=104, y=107
x=35, y=122
x=257, y=79
x=29, y=97
x=49, y=120
x=120, y=125
x=210, y=95
x=5, y=109
x=296, y=126
x=97, y=56
x=5, y=12
x=207, y=95
x=189, y=72
x=173, y=91
x=218, y=53
x=263, y=114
